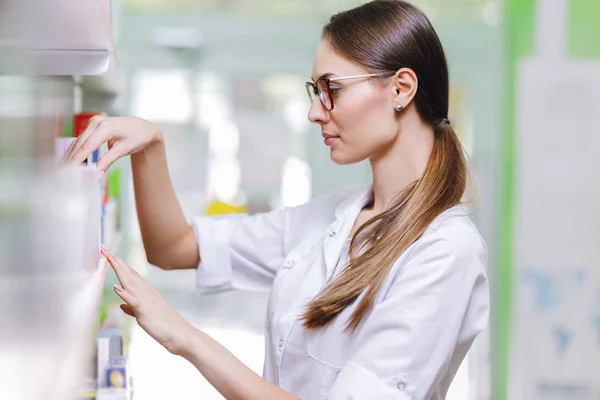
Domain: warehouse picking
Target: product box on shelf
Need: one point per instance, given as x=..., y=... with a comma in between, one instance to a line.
x=61, y=145
x=81, y=122
x=109, y=346
x=76, y=212
x=116, y=373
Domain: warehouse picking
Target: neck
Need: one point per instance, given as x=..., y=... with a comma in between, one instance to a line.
x=403, y=163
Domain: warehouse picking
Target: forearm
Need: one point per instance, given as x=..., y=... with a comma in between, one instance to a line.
x=227, y=374
x=168, y=238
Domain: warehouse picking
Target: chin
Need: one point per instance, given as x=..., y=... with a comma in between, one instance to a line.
x=344, y=159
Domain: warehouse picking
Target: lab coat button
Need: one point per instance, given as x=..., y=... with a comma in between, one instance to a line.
x=280, y=343
x=290, y=263
x=332, y=234
x=401, y=386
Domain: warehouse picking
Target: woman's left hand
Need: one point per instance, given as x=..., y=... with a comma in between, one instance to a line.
x=222, y=369
x=148, y=307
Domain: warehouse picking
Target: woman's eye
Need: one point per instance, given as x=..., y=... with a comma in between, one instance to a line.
x=334, y=90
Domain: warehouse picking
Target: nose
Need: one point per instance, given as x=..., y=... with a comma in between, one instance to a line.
x=317, y=113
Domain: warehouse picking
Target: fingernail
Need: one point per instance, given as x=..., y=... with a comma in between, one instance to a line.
x=117, y=288
x=100, y=174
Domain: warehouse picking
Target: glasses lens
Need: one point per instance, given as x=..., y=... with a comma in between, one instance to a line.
x=324, y=94
x=311, y=91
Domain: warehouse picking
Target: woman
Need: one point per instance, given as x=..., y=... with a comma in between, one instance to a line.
x=376, y=294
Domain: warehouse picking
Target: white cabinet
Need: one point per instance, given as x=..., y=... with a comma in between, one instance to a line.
x=60, y=37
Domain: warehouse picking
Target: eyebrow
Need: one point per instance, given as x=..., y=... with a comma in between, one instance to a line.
x=325, y=75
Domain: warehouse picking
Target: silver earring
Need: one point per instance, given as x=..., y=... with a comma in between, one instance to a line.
x=399, y=108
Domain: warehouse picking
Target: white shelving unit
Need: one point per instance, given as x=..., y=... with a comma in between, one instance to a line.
x=82, y=316
x=49, y=366
x=110, y=82
x=60, y=37
x=46, y=354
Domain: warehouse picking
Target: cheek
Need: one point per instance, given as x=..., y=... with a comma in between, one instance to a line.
x=367, y=122
x=366, y=127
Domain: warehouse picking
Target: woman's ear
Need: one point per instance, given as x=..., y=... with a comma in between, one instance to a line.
x=405, y=85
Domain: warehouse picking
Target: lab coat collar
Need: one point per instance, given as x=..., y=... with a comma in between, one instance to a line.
x=338, y=232
x=356, y=199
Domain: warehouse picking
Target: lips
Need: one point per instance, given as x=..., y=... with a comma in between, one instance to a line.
x=330, y=139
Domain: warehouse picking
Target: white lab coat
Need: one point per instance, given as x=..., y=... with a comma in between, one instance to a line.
x=431, y=307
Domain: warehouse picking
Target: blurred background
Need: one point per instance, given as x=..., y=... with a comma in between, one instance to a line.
x=224, y=79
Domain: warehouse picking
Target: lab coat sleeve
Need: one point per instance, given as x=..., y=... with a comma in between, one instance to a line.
x=426, y=321
x=239, y=251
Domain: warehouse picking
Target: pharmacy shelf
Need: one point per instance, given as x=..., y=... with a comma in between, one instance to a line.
x=60, y=37
x=111, y=82
x=82, y=322
x=49, y=350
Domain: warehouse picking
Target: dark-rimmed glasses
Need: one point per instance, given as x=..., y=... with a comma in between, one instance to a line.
x=321, y=89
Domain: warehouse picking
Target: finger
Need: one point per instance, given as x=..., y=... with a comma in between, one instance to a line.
x=92, y=125
x=120, y=268
x=88, y=145
x=127, y=297
x=128, y=310
x=116, y=259
x=108, y=159
x=66, y=156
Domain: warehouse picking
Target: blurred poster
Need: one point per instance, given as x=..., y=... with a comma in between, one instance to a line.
x=555, y=351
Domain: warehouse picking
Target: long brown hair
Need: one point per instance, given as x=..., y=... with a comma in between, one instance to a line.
x=384, y=36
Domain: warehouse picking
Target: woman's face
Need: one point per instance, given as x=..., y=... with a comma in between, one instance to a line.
x=362, y=124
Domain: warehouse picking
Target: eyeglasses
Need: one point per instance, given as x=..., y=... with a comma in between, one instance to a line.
x=322, y=89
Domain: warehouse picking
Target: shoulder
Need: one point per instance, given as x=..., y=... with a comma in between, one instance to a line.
x=448, y=260
x=451, y=242
x=455, y=229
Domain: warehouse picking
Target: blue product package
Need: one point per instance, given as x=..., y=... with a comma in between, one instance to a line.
x=116, y=377
x=116, y=374
x=95, y=156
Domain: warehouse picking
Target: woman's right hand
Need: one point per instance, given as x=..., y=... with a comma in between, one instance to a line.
x=124, y=135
